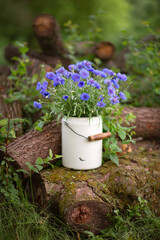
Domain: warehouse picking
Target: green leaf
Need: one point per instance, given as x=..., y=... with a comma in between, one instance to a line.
x=115, y=148
x=50, y=153
x=122, y=134
x=57, y=156
x=39, y=161
x=22, y=170
x=39, y=167
x=114, y=159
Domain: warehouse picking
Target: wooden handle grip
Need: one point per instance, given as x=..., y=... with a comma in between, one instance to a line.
x=99, y=136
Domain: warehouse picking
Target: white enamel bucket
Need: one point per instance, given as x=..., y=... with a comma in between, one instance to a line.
x=78, y=151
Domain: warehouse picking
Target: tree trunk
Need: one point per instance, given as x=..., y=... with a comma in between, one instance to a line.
x=47, y=32
x=11, y=51
x=34, y=144
x=84, y=198
x=12, y=110
x=147, y=121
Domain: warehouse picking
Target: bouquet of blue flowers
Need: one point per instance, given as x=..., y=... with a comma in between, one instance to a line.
x=81, y=91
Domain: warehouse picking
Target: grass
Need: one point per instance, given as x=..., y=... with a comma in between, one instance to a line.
x=20, y=220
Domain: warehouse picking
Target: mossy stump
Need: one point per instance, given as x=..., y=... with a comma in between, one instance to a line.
x=84, y=199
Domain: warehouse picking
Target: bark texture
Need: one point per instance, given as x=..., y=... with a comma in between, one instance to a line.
x=12, y=51
x=84, y=198
x=147, y=121
x=12, y=110
x=34, y=144
x=47, y=32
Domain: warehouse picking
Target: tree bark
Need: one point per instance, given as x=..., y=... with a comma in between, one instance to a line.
x=147, y=121
x=47, y=32
x=11, y=51
x=34, y=144
x=84, y=198
x=12, y=110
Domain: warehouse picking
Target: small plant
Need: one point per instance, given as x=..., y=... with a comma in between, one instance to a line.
x=112, y=122
x=9, y=178
x=143, y=64
x=23, y=86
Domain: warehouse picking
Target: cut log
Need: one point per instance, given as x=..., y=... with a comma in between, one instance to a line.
x=12, y=110
x=12, y=51
x=147, y=121
x=103, y=50
x=34, y=144
x=85, y=199
x=47, y=32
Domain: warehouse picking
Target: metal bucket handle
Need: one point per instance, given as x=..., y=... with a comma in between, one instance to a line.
x=95, y=137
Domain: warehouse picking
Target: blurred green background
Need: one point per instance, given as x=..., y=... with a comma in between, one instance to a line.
x=109, y=17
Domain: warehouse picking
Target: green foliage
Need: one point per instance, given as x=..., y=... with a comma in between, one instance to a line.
x=112, y=122
x=21, y=220
x=143, y=64
x=39, y=124
x=9, y=178
x=136, y=223
x=23, y=86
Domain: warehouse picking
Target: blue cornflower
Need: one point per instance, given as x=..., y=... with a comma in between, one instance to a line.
x=42, y=86
x=101, y=98
x=115, y=82
x=60, y=70
x=122, y=77
x=50, y=75
x=65, y=97
x=81, y=84
x=79, y=66
x=91, y=69
x=97, y=85
x=86, y=64
x=107, y=81
x=104, y=75
x=90, y=81
x=72, y=67
x=101, y=104
x=111, y=91
x=67, y=74
x=84, y=73
x=38, y=86
x=62, y=81
x=45, y=93
x=114, y=100
x=57, y=80
x=84, y=96
x=37, y=105
x=75, y=77
x=108, y=72
x=122, y=96
x=97, y=72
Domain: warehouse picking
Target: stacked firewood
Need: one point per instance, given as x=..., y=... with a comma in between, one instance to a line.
x=80, y=196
